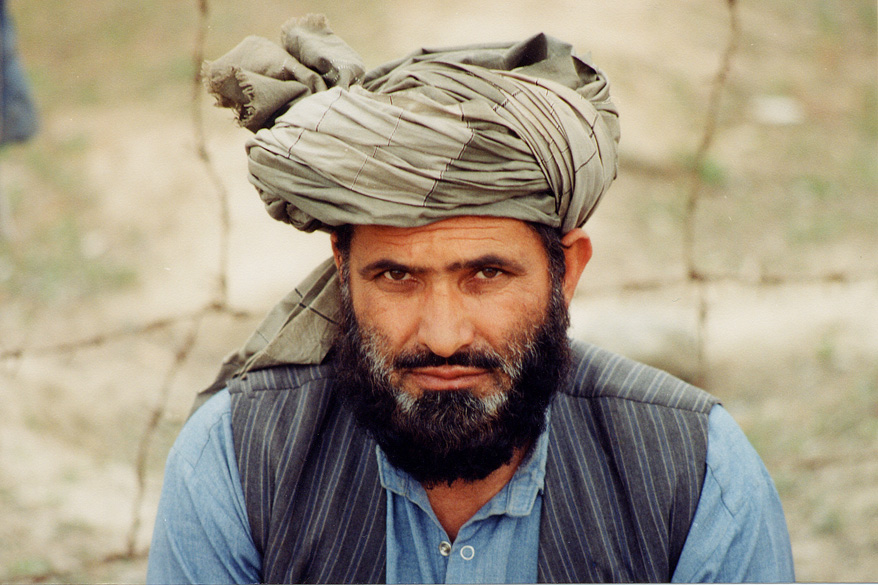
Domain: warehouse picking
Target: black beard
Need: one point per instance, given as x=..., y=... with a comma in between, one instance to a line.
x=445, y=436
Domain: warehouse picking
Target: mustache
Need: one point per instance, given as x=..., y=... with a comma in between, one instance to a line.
x=428, y=359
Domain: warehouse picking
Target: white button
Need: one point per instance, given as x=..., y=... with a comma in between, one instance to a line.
x=444, y=548
x=467, y=553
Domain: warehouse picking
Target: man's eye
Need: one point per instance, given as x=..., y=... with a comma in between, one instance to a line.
x=488, y=273
x=396, y=275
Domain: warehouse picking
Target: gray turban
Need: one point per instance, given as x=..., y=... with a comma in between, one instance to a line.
x=525, y=131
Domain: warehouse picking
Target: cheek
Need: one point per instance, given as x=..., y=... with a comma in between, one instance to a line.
x=393, y=318
x=498, y=318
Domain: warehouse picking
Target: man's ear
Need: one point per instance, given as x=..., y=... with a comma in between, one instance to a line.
x=577, y=253
x=336, y=255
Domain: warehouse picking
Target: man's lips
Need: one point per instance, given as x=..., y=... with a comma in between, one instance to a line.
x=447, y=377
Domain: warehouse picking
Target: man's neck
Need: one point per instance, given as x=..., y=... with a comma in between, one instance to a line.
x=456, y=503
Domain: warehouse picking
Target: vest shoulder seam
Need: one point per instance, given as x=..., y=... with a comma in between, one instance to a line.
x=259, y=381
x=694, y=408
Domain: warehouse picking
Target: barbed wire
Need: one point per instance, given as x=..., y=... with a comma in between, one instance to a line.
x=222, y=192
x=184, y=348
x=696, y=190
x=218, y=302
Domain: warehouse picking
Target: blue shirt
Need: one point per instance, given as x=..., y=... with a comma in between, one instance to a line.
x=499, y=544
x=202, y=534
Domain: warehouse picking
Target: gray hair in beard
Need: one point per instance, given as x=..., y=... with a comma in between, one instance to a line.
x=477, y=411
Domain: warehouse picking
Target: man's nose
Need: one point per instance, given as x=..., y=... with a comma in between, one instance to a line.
x=444, y=327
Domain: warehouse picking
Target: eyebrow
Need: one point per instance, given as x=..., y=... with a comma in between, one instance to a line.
x=488, y=260
x=485, y=261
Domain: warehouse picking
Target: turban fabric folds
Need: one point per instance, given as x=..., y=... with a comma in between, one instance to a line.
x=523, y=130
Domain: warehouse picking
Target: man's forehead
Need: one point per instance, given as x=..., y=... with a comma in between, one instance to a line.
x=457, y=233
x=460, y=237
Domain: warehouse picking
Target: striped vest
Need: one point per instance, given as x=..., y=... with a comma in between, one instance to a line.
x=626, y=462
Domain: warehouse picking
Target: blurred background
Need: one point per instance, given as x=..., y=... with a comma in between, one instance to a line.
x=135, y=255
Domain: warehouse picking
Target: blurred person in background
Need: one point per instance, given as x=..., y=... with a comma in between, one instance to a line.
x=414, y=411
x=18, y=119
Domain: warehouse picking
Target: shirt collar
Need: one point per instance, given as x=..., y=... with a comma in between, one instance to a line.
x=517, y=497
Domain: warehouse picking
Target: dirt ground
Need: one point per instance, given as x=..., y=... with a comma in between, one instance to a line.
x=112, y=314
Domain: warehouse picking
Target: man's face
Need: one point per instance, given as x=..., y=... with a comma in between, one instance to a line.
x=453, y=342
x=463, y=284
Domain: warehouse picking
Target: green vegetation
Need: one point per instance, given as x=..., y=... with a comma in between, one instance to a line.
x=53, y=266
x=53, y=257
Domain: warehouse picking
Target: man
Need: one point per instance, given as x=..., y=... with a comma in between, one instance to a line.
x=414, y=411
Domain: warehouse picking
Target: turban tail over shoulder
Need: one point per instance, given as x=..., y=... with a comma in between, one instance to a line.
x=524, y=130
